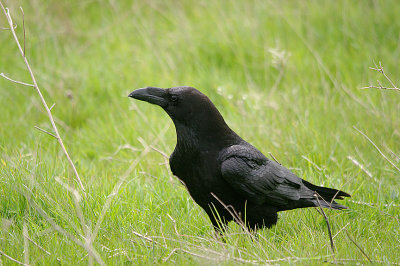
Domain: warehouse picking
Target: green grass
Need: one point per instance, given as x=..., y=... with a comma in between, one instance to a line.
x=285, y=75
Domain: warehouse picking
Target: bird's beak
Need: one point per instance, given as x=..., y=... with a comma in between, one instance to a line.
x=152, y=95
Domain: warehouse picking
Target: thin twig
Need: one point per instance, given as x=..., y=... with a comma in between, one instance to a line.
x=294, y=259
x=383, y=155
x=121, y=147
x=45, y=131
x=3, y=28
x=16, y=81
x=354, y=161
x=311, y=162
x=327, y=223
x=26, y=243
x=39, y=246
x=173, y=220
x=341, y=229
x=60, y=141
x=160, y=152
x=382, y=71
x=394, y=154
x=23, y=26
x=273, y=157
x=380, y=88
x=170, y=254
x=355, y=243
x=12, y=259
x=373, y=261
x=370, y=204
x=166, y=160
x=145, y=237
x=362, y=167
x=190, y=253
x=236, y=217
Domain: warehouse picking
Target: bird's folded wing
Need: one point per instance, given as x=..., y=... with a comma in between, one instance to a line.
x=259, y=179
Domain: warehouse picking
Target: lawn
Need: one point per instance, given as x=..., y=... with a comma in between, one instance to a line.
x=286, y=75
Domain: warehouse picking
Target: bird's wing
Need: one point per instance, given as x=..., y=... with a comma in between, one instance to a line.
x=259, y=179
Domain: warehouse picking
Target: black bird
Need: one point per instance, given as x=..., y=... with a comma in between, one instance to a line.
x=224, y=174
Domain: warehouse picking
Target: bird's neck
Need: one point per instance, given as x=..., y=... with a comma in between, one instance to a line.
x=205, y=135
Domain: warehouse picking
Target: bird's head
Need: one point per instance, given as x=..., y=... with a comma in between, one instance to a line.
x=183, y=104
x=192, y=112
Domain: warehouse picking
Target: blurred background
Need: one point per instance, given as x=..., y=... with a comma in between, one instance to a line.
x=286, y=75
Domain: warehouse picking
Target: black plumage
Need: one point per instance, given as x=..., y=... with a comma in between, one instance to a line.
x=220, y=169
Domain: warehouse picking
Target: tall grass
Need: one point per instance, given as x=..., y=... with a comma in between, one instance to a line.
x=285, y=75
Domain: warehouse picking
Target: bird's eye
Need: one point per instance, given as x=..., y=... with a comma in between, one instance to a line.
x=174, y=98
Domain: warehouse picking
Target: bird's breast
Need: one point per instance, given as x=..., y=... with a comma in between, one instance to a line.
x=199, y=170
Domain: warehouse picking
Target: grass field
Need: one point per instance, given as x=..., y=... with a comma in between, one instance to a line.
x=286, y=76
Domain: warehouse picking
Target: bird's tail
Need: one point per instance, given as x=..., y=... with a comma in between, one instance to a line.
x=327, y=196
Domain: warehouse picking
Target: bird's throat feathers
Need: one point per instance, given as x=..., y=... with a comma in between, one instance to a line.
x=208, y=130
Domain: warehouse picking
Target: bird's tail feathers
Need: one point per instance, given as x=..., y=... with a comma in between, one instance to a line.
x=329, y=204
x=327, y=196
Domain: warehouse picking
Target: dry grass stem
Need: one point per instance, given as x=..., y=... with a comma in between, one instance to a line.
x=358, y=246
x=23, y=27
x=173, y=220
x=59, y=139
x=273, y=157
x=374, y=204
x=382, y=71
x=311, y=162
x=295, y=259
x=394, y=154
x=362, y=167
x=16, y=81
x=4, y=28
x=166, y=161
x=360, y=262
x=341, y=229
x=327, y=223
x=236, y=217
x=39, y=246
x=12, y=259
x=45, y=131
x=383, y=155
x=26, y=243
x=160, y=152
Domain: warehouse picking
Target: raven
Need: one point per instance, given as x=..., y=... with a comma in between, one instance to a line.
x=224, y=174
